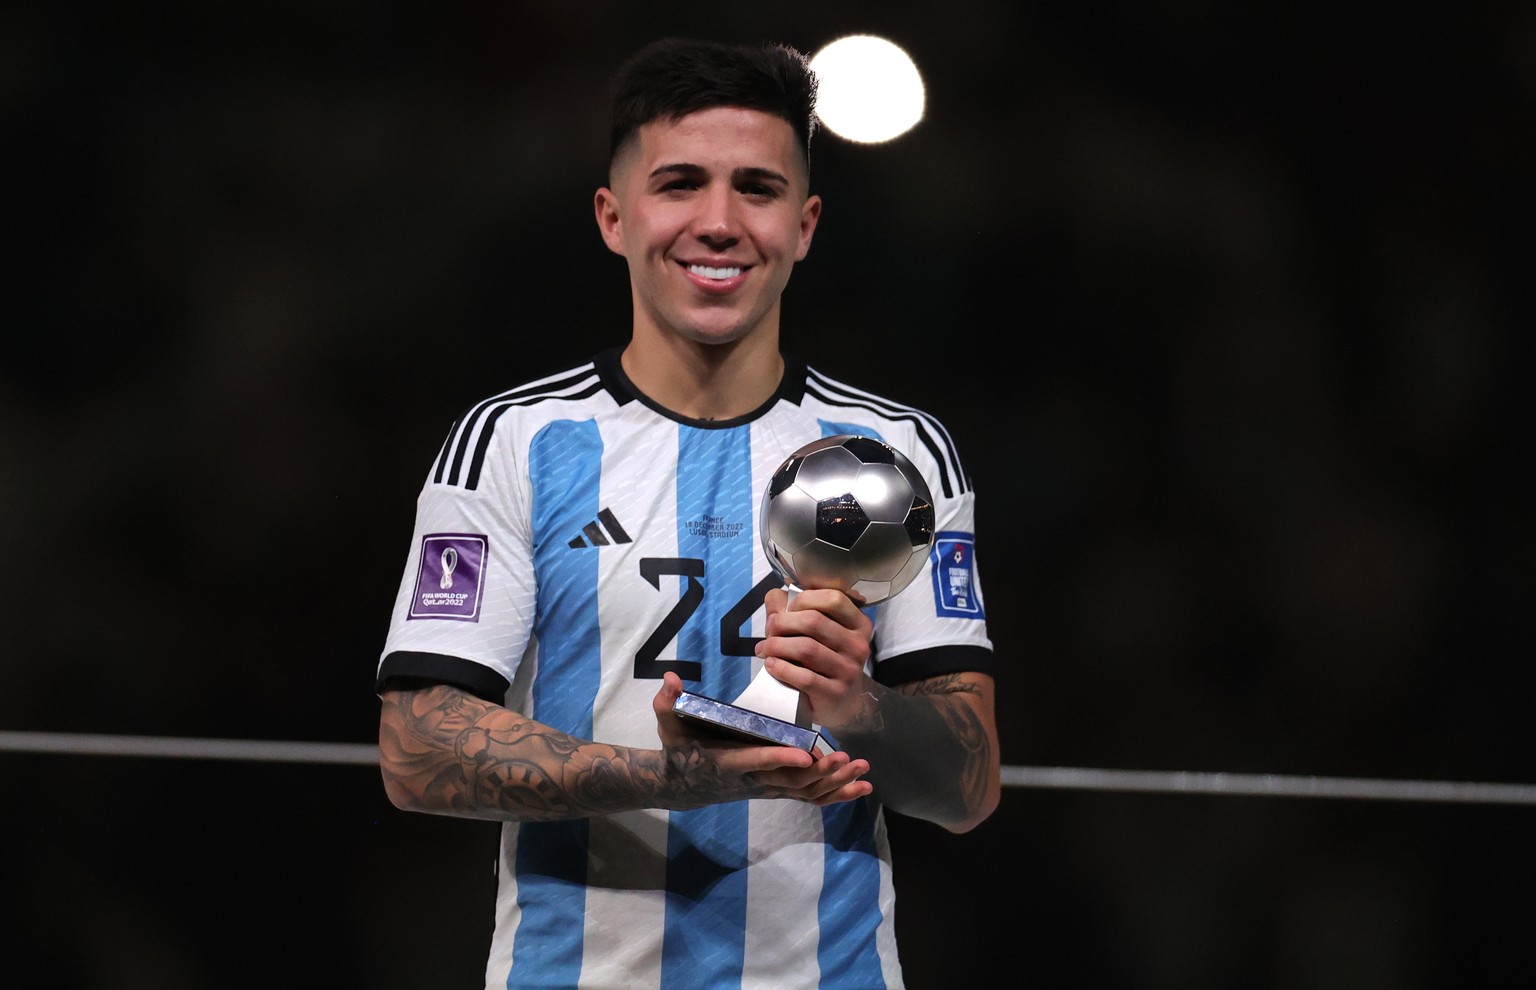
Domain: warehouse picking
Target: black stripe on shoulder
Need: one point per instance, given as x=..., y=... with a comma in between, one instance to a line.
x=472, y=480
x=932, y=433
x=439, y=469
x=405, y=666
x=470, y=434
x=935, y=662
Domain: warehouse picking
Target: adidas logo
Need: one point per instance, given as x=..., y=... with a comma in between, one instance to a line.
x=600, y=532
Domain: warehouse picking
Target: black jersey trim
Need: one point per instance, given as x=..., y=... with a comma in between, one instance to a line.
x=792, y=385
x=611, y=370
x=935, y=662
x=409, y=665
x=459, y=464
x=935, y=437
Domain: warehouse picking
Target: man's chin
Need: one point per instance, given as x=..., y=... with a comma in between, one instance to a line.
x=717, y=334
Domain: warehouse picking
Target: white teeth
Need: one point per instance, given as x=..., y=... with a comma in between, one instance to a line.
x=708, y=272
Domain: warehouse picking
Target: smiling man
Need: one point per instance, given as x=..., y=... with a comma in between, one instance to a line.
x=586, y=549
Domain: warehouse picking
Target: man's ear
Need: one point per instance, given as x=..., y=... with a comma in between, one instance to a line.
x=810, y=213
x=605, y=206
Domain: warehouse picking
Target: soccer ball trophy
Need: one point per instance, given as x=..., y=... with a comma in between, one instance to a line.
x=847, y=512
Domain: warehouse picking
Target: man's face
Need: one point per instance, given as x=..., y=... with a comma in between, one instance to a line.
x=711, y=212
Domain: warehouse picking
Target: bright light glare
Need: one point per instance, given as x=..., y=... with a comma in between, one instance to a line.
x=868, y=89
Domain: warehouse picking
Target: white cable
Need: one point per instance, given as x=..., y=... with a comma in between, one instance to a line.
x=1070, y=778
x=1268, y=785
x=180, y=747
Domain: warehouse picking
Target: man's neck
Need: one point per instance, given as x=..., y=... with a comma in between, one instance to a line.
x=704, y=381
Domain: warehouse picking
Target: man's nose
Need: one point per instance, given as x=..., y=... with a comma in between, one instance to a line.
x=717, y=219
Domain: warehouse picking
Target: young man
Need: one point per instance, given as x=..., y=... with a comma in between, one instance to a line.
x=585, y=549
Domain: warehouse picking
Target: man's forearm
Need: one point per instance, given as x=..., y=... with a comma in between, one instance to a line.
x=446, y=752
x=930, y=755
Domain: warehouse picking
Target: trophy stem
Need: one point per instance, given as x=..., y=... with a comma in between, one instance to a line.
x=771, y=696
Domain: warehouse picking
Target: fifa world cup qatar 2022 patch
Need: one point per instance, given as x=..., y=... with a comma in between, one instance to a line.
x=449, y=577
x=954, y=591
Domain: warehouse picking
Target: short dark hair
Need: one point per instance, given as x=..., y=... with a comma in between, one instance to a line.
x=673, y=77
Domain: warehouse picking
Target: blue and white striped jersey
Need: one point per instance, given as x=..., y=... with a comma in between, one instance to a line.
x=573, y=541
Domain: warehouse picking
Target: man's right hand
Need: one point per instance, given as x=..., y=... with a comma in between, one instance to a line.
x=707, y=768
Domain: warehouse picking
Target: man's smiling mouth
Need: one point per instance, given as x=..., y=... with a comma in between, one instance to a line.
x=705, y=271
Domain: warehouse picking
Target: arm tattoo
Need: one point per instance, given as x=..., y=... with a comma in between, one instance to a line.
x=455, y=754
x=458, y=755
x=929, y=753
x=961, y=720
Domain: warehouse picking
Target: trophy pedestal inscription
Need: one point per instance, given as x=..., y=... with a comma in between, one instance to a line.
x=767, y=711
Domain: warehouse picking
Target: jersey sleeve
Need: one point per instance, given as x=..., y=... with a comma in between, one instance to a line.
x=937, y=624
x=464, y=610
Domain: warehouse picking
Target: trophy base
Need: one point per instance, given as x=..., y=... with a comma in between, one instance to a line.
x=744, y=723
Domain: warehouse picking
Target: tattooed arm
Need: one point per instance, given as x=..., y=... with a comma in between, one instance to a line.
x=445, y=751
x=931, y=744
x=931, y=747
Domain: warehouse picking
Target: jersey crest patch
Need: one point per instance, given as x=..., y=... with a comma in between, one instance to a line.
x=954, y=592
x=449, y=576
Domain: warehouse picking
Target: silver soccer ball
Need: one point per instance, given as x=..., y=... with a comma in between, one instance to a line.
x=847, y=512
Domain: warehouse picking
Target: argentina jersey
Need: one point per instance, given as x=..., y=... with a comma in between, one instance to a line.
x=573, y=543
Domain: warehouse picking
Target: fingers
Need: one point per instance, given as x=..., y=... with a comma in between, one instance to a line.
x=830, y=602
x=834, y=604
x=740, y=769
x=802, y=628
x=668, y=727
x=776, y=600
x=671, y=688
x=851, y=792
x=846, y=784
x=831, y=779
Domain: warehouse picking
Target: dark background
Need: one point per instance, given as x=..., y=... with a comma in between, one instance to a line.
x=1224, y=307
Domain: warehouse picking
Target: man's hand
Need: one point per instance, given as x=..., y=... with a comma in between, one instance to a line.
x=931, y=743
x=706, y=768
x=825, y=637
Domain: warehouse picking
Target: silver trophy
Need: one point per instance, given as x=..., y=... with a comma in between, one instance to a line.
x=847, y=512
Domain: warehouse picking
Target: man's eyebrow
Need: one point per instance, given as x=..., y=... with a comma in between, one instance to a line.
x=676, y=168
x=759, y=174
x=755, y=173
